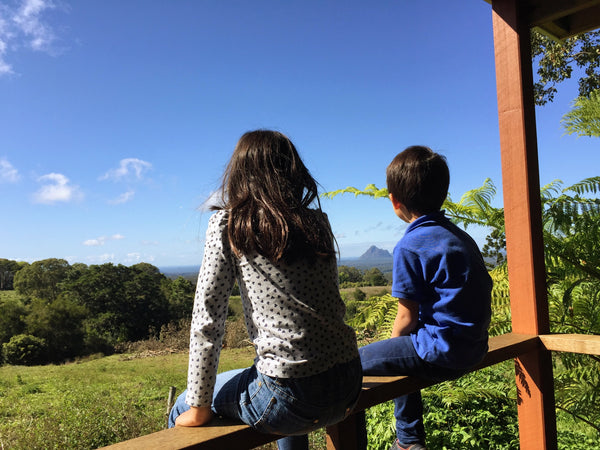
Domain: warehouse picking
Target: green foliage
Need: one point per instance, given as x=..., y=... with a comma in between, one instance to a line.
x=359, y=295
x=376, y=316
x=381, y=428
x=12, y=311
x=42, y=279
x=24, y=349
x=180, y=293
x=124, y=303
x=374, y=277
x=571, y=227
x=370, y=190
x=59, y=324
x=8, y=268
x=475, y=411
x=82, y=309
x=584, y=117
x=556, y=60
x=501, y=318
x=350, y=276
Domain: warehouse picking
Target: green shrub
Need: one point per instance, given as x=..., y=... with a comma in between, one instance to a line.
x=24, y=350
x=359, y=295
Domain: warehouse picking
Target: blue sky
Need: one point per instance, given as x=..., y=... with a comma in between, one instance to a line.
x=118, y=117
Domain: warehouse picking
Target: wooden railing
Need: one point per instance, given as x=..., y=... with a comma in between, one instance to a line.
x=226, y=434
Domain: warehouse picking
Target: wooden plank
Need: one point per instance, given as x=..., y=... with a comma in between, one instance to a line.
x=220, y=434
x=561, y=19
x=544, y=11
x=574, y=343
x=523, y=222
x=378, y=389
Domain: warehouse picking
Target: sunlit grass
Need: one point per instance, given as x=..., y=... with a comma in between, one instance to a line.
x=92, y=403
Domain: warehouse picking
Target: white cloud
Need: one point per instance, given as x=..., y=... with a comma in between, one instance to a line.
x=101, y=259
x=29, y=23
x=5, y=68
x=135, y=257
x=102, y=240
x=56, y=188
x=123, y=198
x=8, y=174
x=128, y=168
x=23, y=25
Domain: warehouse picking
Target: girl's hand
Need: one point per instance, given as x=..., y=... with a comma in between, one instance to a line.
x=194, y=417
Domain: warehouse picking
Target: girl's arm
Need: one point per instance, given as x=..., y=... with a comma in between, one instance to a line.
x=215, y=281
x=406, y=317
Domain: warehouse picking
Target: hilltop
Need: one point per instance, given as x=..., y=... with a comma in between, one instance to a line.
x=374, y=252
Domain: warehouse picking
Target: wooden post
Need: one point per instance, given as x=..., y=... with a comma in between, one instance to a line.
x=170, y=403
x=350, y=434
x=522, y=211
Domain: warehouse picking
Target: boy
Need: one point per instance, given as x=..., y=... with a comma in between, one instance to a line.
x=443, y=291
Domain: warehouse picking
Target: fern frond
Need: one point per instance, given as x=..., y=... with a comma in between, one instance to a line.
x=584, y=117
x=377, y=314
x=370, y=190
x=589, y=185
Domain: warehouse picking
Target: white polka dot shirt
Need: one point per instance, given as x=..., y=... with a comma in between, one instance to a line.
x=294, y=314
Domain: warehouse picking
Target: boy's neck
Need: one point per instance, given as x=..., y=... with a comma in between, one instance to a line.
x=412, y=217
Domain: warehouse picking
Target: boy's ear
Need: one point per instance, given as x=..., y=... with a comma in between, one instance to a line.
x=395, y=203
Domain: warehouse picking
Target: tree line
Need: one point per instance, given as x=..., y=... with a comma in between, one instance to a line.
x=350, y=276
x=61, y=311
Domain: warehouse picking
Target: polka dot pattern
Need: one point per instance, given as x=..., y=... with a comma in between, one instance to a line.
x=294, y=314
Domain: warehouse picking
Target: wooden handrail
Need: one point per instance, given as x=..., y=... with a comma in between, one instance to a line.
x=223, y=434
x=378, y=389
x=588, y=344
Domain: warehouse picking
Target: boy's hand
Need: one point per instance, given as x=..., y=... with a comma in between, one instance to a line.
x=194, y=417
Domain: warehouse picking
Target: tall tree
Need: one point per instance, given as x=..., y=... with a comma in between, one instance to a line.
x=42, y=279
x=60, y=325
x=8, y=268
x=124, y=303
x=180, y=295
x=12, y=312
x=556, y=60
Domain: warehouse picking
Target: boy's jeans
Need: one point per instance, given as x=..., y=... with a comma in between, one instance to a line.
x=290, y=406
x=397, y=356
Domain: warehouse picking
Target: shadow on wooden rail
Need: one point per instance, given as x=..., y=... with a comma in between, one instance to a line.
x=224, y=434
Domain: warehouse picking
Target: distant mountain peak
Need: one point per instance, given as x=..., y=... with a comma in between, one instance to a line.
x=375, y=253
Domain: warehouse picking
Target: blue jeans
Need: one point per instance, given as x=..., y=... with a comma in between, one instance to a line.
x=286, y=406
x=397, y=356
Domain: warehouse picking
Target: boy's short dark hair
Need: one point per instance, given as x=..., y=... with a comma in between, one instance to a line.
x=419, y=179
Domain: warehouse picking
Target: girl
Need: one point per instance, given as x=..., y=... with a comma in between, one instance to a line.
x=266, y=236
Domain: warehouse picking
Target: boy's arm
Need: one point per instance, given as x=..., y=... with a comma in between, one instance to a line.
x=406, y=317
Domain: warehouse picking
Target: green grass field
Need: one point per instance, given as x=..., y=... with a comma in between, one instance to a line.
x=92, y=403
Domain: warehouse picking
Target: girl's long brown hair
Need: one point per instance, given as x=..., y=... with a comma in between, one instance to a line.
x=269, y=192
